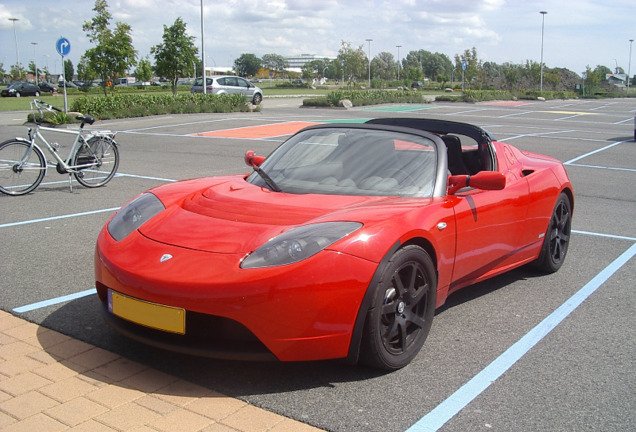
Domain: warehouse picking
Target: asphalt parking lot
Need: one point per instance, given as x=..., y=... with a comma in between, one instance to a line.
x=519, y=352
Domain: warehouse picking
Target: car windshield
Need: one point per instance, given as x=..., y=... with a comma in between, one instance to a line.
x=350, y=161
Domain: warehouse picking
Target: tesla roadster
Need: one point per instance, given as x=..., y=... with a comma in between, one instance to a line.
x=339, y=245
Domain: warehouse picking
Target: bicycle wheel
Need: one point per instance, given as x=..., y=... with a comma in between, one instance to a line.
x=21, y=169
x=98, y=159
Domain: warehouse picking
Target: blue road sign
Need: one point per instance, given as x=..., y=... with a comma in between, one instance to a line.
x=463, y=65
x=63, y=46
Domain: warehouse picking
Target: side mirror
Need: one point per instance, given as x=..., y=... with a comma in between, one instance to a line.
x=251, y=159
x=486, y=180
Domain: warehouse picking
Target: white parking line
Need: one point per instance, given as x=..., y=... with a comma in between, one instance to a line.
x=593, y=152
x=31, y=221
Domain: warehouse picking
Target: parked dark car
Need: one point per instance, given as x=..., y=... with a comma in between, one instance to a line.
x=47, y=87
x=416, y=84
x=18, y=89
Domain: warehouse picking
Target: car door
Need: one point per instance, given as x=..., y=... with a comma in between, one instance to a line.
x=231, y=85
x=490, y=228
x=245, y=88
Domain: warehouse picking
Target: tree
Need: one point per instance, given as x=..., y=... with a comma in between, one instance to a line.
x=247, y=65
x=84, y=71
x=315, y=68
x=144, y=70
x=175, y=56
x=113, y=53
x=353, y=62
x=275, y=62
x=512, y=75
x=17, y=72
x=384, y=66
x=473, y=65
x=69, y=71
x=32, y=70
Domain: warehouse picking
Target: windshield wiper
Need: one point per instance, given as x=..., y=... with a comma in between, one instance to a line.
x=271, y=183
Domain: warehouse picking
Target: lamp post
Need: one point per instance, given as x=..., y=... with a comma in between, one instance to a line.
x=629, y=64
x=542, y=27
x=35, y=63
x=204, y=79
x=398, y=62
x=15, y=36
x=369, y=40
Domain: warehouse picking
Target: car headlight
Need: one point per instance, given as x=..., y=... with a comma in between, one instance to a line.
x=133, y=215
x=298, y=244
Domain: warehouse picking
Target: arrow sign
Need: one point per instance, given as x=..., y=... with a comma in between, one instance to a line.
x=63, y=46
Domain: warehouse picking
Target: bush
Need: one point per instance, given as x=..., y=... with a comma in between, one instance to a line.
x=365, y=97
x=139, y=105
x=472, y=96
x=54, y=118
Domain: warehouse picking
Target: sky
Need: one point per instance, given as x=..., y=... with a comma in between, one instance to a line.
x=576, y=34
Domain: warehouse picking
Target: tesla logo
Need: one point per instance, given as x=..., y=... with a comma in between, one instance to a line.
x=165, y=257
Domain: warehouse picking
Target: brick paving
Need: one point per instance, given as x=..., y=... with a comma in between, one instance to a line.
x=51, y=382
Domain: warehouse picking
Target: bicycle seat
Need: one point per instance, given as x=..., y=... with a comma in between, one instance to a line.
x=86, y=119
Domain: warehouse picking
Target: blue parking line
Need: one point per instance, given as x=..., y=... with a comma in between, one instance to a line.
x=464, y=395
x=50, y=302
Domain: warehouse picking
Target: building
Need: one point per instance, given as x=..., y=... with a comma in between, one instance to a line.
x=301, y=60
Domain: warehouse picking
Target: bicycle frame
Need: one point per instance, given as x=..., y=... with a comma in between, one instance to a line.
x=64, y=165
x=92, y=158
x=35, y=135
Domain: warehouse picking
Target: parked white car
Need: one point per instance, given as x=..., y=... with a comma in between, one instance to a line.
x=228, y=84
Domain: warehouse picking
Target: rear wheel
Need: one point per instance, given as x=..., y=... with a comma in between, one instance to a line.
x=557, y=238
x=98, y=159
x=21, y=169
x=402, y=311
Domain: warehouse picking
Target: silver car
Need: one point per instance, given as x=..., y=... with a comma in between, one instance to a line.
x=228, y=84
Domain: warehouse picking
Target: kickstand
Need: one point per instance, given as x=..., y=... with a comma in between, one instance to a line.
x=70, y=182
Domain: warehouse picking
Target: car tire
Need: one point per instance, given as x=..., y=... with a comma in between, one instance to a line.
x=36, y=94
x=257, y=99
x=557, y=237
x=402, y=310
x=17, y=94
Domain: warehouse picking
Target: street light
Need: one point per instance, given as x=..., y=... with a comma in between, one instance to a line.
x=205, y=82
x=15, y=36
x=542, y=26
x=369, y=40
x=398, y=63
x=629, y=64
x=35, y=63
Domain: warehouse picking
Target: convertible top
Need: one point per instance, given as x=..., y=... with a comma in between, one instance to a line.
x=442, y=127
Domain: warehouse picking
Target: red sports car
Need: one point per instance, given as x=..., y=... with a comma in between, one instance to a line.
x=340, y=244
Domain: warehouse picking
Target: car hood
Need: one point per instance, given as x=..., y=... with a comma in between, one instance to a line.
x=233, y=216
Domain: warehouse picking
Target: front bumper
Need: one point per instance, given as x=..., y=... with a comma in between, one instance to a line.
x=303, y=311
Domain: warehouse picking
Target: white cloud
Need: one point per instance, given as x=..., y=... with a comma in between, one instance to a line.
x=577, y=34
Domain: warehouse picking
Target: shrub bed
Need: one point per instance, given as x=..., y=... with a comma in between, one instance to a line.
x=139, y=105
x=488, y=95
x=364, y=97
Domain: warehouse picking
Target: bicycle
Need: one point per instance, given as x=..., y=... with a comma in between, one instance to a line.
x=93, y=158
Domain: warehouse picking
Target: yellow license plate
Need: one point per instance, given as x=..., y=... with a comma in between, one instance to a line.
x=160, y=317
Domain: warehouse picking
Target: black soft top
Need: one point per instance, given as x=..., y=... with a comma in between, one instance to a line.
x=440, y=127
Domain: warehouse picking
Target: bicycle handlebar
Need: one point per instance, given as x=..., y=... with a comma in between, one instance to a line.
x=49, y=107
